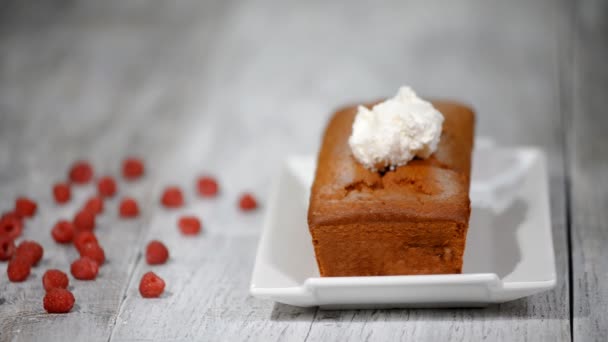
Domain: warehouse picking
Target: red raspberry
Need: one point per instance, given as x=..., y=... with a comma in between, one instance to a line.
x=106, y=186
x=81, y=172
x=84, y=221
x=58, y=301
x=82, y=239
x=31, y=251
x=94, y=205
x=10, y=215
x=63, y=231
x=132, y=168
x=172, y=197
x=25, y=207
x=7, y=248
x=84, y=268
x=11, y=227
x=189, y=225
x=207, y=186
x=156, y=253
x=93, y=251
x=151, y=285
x=247, y=202
x=62, y=193
x=55, y=279
x=128, y=207
x=18, y=269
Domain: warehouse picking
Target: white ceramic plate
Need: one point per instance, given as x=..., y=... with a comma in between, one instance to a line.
x=509, y=252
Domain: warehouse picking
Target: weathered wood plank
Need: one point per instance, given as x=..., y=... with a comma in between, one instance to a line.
x=589, y=172
x=81, y=87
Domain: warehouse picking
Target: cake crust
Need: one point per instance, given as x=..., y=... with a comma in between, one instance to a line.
x=412, y=220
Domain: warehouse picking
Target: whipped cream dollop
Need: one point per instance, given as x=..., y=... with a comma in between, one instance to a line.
x=395, y=131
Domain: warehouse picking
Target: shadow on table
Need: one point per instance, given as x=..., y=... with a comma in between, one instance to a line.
x=525, y=308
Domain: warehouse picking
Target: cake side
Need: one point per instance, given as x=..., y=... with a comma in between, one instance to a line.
x=381, y=248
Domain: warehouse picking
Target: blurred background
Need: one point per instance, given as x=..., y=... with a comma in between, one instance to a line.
x=267, y=71
x=232, y=87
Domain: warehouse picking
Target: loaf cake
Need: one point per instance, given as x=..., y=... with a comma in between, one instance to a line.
x=410, y=220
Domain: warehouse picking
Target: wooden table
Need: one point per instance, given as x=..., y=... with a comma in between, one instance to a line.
x=232, y=87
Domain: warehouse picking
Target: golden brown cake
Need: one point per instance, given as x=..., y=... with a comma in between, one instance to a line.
x=412, y=220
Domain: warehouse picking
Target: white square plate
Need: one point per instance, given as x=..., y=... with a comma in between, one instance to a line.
x=509, y=251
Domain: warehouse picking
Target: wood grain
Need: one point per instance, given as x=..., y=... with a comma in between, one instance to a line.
x=230, y=89
x=588, y=169
x=66, y=93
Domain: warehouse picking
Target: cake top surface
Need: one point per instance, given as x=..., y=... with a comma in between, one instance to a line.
x=436, y=188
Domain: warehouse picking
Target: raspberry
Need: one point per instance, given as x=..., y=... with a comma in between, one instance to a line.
x=189, y=225
x=31, y=251
x=94, y=252
x=151, y=285
x=58, y=301
x=207, y=186
x=156, y=253
x=84, y=221
x=55, y=279
x=10, y=215
x=25, y=207
x=7, y=248
x=106, y=186
x=132, y=168
x=10, y=227
x=18, y=269
x=128, y=207
x=63, y=231
x=247, y=202
x=62, y=193
x=172, y=197
x=84, y=269
x=94, y=205
x=82, y=239
x=81, y=172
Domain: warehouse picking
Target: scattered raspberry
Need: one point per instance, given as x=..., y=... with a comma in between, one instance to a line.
x=25, y=207
x=11, y=227
x=247, y=202
x=81, y=172
x=82, y=239
x=106, y=186
x=128, y=207
x=156, y=253
x=63, y=231
x=151, y=285
x=58, y=301
x=94, y=205
x=18, y=269
x=10, y=215
x=132, y=168
x=55, y=279
x=84, y=269
x=84, y=221
x=189, y=225
x=62, y=193
x=7, y=248
x=93, y=251
x=172, y=197
x=30, y=251
x=207, y=186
